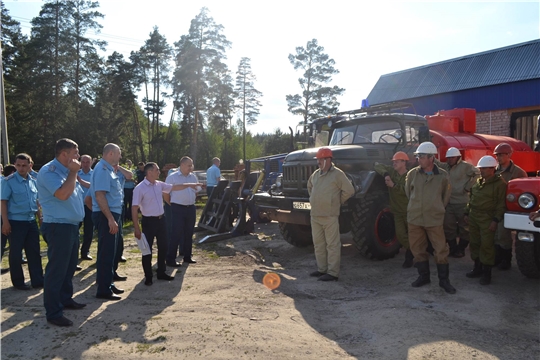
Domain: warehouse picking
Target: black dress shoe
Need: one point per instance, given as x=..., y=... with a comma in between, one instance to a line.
x=190, y=261
x=117, y=277
x=74, y=306
x=86, y=257
x=122, y=259
x=22, y=287
x=61, y=321
x=148, y=282
x=174, y=264
x=165, y=277
x=327, y=277
x=116, y=290
x=316, y=274
x=108, y=297
x=3, y=271
x=78, y=268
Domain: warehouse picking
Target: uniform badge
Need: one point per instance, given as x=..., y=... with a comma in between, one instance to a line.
x=52, y=168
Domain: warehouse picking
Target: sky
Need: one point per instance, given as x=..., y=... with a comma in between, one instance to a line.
x=365, y=39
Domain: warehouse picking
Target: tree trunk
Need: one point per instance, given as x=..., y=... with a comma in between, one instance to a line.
x=138, y=128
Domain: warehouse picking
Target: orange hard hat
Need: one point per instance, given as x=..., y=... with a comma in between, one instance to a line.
x=503, y=148
x=400, y=155
x=323, y=153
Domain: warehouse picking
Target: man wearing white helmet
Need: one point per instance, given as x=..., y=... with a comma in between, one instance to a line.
x=462, y=177
x=428, y=190
x=484, y=212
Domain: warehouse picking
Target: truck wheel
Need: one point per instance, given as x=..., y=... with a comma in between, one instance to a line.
x=528, y=257
x=373, y=227
x=296, y=235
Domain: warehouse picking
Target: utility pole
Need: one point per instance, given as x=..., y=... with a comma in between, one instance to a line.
x=244, y=121
x=3, y=120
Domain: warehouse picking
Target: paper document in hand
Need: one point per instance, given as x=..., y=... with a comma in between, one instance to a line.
x=143, y=245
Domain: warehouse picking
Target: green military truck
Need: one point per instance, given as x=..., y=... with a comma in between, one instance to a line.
x=358, y=139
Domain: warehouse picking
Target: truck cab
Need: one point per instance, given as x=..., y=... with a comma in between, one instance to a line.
x=522, y=198
x=359, y=139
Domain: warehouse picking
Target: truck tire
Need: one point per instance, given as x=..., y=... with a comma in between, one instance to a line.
x=528, y=257
x=296, y=235
x=373, y=228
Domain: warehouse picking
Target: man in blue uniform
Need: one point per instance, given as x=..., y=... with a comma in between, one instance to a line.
x=61, y=200
x=8, y=170
x=19, y=208
x=85, y=173
x=107, y=204
x=213, y=175
x=129, y=185
x=123, y=176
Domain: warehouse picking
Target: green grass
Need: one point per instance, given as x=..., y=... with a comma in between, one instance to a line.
x=143, y=347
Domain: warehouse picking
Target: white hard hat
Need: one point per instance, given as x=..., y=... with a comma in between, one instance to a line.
x=426, y=148
x=487, y=161
x=451, y=152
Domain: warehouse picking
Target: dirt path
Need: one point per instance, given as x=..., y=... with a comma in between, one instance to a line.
x=219, y=309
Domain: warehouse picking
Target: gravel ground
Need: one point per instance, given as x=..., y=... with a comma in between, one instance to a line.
x=220, y=309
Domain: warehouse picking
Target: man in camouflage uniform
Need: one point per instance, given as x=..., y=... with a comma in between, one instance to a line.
x=394, y=178
x=462, y=177
x=484, y=212
x=503, y=237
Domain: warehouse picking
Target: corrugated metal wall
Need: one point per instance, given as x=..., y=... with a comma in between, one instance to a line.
x=497, y=97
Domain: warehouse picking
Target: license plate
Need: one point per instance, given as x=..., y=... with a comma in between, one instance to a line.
x=301, y=205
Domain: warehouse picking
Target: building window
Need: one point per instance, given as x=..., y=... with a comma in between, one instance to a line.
x=524, y=127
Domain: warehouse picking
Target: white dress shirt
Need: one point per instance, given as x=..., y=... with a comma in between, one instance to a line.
x=186, y=196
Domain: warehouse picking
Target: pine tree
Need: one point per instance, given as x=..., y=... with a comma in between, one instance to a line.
x=198, y=55
x=13, y=53
x=247, y=96
x=86, y=62
x=47, y=63
x=153, y=59
x=317, y=99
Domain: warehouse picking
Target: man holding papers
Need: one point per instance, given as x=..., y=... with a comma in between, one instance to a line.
x=147, y=196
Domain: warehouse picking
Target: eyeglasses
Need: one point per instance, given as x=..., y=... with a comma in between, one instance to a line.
x=421, y=156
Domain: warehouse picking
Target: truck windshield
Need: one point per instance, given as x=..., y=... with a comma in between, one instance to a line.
x=368, y=133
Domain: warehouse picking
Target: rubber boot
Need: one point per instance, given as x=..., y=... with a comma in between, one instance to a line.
x=460, y=251
x=476, y=271
x=498, y=255
x=444, y=282
x=408, y=259
x=506, y=259
x=453, y=247
x=486, y=275
x=423, y=271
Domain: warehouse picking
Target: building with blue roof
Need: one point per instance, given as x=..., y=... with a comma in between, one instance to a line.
x=503, y=85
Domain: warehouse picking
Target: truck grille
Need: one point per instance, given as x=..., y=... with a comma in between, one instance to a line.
x=295, y=177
